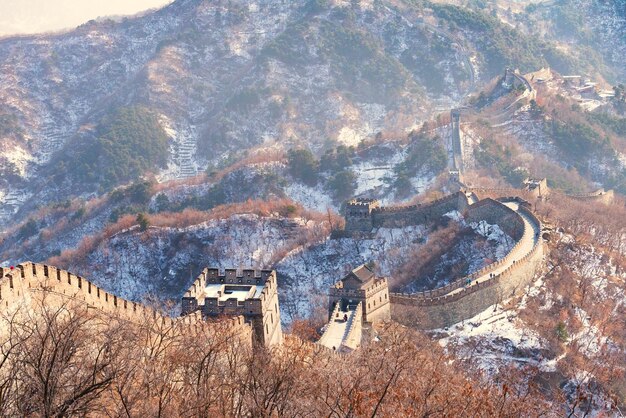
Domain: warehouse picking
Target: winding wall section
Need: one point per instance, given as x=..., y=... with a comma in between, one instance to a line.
x=471, y=295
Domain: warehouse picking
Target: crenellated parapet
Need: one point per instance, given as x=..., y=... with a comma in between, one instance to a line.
x=39, y=280
x=470, y=295
x=363, y=217
x=248, y=293
x=354, y=335
x=511, y=214
x=603, y=196
x=29, y=284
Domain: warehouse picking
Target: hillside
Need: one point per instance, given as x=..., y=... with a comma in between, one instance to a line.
x=567, y=133
x=219, y=79
x=439, y=186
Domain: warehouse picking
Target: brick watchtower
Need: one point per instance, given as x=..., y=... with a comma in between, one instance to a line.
x=251, y=294
x=359, y=214
x=362, y=285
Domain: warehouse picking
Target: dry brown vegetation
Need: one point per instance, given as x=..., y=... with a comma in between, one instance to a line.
x=62, y=217
x=536, y=164
x=423, y=260
x=589, y=221
x=188, y=217
x=71, y=361
x=255, y=156
x=583, y=328
x=579, y=311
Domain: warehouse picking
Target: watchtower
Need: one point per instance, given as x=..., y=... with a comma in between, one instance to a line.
x=362, y=285
x=538, y=187
x=359, y=214
x=251, y=294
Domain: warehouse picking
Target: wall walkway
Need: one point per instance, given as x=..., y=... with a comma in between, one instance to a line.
x=470, y=295
x=343, y=335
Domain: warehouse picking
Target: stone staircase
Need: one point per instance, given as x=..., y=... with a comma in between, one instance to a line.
x=184, y=153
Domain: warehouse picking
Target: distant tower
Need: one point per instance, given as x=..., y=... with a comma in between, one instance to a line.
x=538, y=187
x=359, y=214
x=253, y=294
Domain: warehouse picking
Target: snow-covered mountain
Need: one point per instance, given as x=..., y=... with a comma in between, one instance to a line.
x=220, y=78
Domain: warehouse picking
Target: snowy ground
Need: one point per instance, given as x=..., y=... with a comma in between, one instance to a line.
x=163, y=261
x=495, y=338
x=313, y=198
x=311, y=270
x=374, y=174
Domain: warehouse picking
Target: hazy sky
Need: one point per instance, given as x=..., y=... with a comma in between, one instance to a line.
x=33, y=16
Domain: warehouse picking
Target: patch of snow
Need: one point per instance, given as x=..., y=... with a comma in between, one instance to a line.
x=494, y=233
x=19, y=158
x=494, y=338
x=349, y=136
x=313, y=198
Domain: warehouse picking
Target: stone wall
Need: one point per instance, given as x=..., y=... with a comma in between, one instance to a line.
x=376, y=306
x=432, y=310
x=607, y=197
x=495, y=213
x=355, y=332
x=401, y=216
x=362, y=217
x=31, y=283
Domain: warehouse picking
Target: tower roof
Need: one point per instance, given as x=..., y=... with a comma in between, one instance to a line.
x=358, y=277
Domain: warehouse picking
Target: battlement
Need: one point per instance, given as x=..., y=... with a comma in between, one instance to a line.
x=363, y=218
x=250, y=293
x=605, y=196
x=467, y=296
x=38, y=279
x=30, y=283
x=358, y=214
x=363, y=202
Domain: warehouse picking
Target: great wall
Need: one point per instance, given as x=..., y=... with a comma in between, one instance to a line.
x=511, y=80
x=28, y=286
x=470, y=295
x=250, y=298
x=246, y=302
x=466, y=296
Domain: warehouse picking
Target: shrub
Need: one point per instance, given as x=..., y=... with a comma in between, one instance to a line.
x=342, y=184
x=578, y=141
x=288, y=211
x=29, y=229
x=162, y=202
x=303, y=166
x=561, y=332
x=424, y=153
x=79, y=213
x=337, y=159
x=143, y=221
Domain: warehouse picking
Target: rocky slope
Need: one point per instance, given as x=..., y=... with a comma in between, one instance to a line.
x=219, y=78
